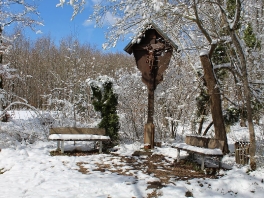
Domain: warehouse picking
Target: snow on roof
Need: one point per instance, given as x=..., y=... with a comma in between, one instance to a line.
x=138, y=37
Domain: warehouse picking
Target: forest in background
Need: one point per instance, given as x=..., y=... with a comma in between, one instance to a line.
x=53, y=77
x=41, y=65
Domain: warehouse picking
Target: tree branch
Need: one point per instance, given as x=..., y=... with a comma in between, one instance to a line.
x=235, y=24
x=199, y=23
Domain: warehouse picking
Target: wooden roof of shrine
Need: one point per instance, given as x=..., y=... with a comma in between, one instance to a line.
x=152, y=25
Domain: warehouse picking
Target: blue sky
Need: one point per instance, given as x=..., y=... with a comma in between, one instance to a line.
x=58, y=24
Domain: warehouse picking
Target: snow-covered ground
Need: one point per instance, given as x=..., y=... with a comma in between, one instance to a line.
x=29, y=171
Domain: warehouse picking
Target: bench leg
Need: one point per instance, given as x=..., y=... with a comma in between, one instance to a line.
x=62, y=146
x=101, y=147
x=178, y=155
x=202, y=165
x=220, y=162
x=58, y=145
x=191, y=154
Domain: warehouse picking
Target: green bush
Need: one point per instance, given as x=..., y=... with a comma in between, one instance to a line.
x=105, y=101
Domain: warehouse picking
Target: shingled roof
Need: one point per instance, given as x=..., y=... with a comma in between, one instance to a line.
x=152, y=25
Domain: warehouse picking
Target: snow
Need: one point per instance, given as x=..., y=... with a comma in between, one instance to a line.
x=157, y=4
x=206, y=151
x=29, y=171
x=204, y=52
x=36, y=174
x=224, y=65
x=77, y=137
x=100, y=81
x=62, y=2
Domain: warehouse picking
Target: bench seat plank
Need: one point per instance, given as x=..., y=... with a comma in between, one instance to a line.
x=78, y=137
x=199, y=150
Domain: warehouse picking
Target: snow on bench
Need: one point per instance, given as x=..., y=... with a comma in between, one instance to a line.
x=77, y=134
x=78, y=137
x=202, y=146
x=205, y=151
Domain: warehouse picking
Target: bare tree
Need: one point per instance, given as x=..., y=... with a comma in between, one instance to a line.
x=195, y=24
x=232, y=28
x=14, y=12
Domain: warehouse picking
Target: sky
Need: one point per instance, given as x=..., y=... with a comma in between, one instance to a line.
x=58, y=24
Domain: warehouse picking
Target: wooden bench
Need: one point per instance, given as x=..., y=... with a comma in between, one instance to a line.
x=77, y=134
x=203, y=146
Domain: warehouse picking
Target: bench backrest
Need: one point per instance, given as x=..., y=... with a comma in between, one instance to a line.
x=197, y=141
x=215, y=143
x=204, y=142
x=74, y=130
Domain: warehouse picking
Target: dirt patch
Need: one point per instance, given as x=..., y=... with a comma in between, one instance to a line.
x=82, y=169
x=155, y=184
x=154, y=194
x=155, y=165
x=165, y=170
x=2, y=171
x=188, y=194
x=74, y=153
x=139, y=153
x=102, y=167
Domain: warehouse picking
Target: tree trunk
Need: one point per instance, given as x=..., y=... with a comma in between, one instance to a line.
x=1, y=76
x=247, y=94
x=201, y=126
x=215, y=100
x=1, y=58
x=232, y=28
x=207, y=128
x=172, y=130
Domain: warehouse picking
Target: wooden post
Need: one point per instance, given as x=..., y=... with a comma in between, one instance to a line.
x=150, y=105
x=152, y=54
x=149, y=131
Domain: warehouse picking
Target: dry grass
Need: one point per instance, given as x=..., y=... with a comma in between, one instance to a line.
x=2, y=171
x=82, y=169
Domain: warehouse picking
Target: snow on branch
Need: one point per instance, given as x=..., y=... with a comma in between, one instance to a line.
x=224, y=65
x=77, y=5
